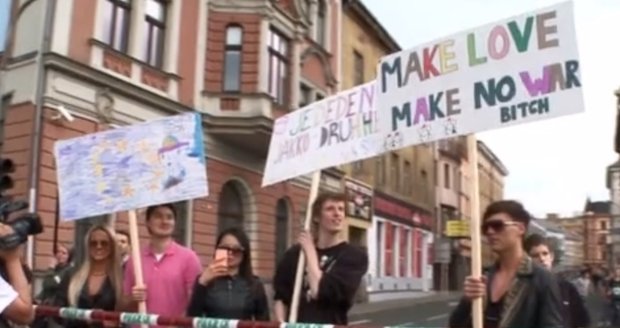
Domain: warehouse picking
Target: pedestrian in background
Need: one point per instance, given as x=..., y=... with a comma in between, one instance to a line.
x=575, y=310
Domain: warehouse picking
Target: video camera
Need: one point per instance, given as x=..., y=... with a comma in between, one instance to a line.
x=23, y=225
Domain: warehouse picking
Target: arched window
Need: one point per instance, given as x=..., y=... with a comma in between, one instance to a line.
x=230, y=207
x=321, y=23
x=282, y=230
x=232, y=59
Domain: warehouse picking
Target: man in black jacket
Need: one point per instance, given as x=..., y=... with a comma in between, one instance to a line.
x=575, y=313
x=517, y=292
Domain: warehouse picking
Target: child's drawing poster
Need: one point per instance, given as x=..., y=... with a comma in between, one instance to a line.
x=155, y=162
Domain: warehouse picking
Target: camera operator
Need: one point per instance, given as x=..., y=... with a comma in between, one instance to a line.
x=15, y=294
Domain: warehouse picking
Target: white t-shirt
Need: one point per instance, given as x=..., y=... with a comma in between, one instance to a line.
x=7, y=294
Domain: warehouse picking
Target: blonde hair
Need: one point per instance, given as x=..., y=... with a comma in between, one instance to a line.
x=80, y=277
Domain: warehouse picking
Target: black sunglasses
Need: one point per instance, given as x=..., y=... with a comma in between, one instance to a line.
x=233, y=250
x=496, y=225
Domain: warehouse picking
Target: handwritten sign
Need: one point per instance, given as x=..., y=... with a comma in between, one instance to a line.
x=156, y=162
x=519, y=70
x=337, y=130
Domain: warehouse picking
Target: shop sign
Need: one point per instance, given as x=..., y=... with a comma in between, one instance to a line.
x=359, y=200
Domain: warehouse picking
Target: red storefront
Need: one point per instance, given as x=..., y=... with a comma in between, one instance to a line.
x=401, y=248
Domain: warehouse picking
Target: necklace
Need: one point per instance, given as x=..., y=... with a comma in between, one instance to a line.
x=98, y=274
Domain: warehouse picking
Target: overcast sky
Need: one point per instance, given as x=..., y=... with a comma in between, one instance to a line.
x=556, y=164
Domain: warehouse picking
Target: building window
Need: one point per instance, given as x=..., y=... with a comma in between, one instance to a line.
x=319, y=96
x=278, y=67
x=180, y=224
x=155, y=20
x=282, y=219
x=407, y=177
x=419, y=251
x=305, y=8
x=232, y=59
x=230, y=207
x=116, y=24
x=380, y=170
x=358, y=166
x=379, y=248
x=321, y=24
x=446, y=175
x=403, y=253
x=358, y=68
x=305, y=96
x=394, y=171
x=395, y=251
x=603, y=225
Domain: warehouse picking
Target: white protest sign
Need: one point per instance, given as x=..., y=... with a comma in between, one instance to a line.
x=514, y=71
x=334, y=131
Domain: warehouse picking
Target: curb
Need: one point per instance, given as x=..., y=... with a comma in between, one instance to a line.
x=369, y=308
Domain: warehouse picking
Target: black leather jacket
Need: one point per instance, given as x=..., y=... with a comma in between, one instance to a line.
x=533, y=301
x=230, y=298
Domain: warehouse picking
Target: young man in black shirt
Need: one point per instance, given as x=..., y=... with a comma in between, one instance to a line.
x=333, y=270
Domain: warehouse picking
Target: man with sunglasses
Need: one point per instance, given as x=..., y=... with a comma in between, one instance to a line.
x=517, y=292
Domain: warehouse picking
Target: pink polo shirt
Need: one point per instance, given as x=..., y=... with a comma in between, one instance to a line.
x=168, y=281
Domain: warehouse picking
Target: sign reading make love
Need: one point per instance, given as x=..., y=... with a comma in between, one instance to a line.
x=334, y=131
x=519, y=70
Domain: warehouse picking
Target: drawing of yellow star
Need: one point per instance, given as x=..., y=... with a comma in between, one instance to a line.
x=127, y=191
x=153, y=186
x=143, y=147
x=158, y=174
x=121, y=145
x=101, y=186
x=98, y=170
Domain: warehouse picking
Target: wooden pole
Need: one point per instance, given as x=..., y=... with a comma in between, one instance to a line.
x=134, y=239
x=314, y=190
x=476, y=244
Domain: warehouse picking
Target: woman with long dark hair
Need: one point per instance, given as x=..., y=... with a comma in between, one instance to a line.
x=227, y=288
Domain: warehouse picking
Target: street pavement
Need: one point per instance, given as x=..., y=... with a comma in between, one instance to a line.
x=431, y=310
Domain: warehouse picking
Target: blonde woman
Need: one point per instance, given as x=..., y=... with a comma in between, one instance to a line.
x=95, y=284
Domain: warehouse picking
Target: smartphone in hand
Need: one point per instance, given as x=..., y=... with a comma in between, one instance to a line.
x=221, y=255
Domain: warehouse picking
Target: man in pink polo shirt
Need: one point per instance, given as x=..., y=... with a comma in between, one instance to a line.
x=169, y=269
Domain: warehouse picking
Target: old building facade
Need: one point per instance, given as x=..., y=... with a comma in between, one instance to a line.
x=111, y=64
x=452, y=198
x=398, y=235
x=597, y=223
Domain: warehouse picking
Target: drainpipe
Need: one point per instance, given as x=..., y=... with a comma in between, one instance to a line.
x=339, y=46
x=33, y=183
